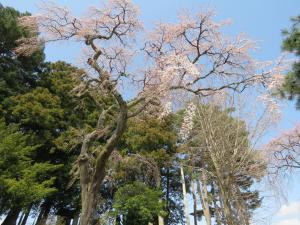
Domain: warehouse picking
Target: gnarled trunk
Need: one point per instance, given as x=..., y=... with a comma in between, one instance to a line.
x=90, y=181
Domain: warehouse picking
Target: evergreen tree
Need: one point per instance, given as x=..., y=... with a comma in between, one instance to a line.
x=138, y=204
x=22, y=181
x=291, y=43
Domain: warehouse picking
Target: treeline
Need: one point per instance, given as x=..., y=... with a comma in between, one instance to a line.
x=42, y=127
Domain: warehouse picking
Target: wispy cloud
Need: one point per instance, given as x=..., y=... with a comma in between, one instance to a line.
x=289, y=222
x=289, y=214
x=290, y=209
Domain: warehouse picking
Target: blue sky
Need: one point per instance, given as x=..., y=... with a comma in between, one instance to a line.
x=262, y=20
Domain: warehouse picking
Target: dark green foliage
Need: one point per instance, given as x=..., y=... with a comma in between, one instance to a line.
x=292, y=41
x=155, y=139
x=151, y=135
x=291, y=87
x=37, y=97
x=138, y=204
x=22, y=181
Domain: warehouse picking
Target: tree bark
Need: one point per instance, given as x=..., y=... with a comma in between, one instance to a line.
x=226, y=206
x=90, y=181
x=185, y=200
x=12, y=216
x=204, y=181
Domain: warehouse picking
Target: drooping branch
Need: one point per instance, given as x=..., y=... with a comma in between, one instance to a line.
x=284, y=151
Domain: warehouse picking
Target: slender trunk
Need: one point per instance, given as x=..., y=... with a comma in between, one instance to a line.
x=242, y=209
x=161, y=220
x=12, y=216
x=24, y=220
x=195, y=202
x=204, y=203
x=204, y=180
x=185, y=200
x=75, y=219
x=43, y=216
x=168, y=197
x=226, y=206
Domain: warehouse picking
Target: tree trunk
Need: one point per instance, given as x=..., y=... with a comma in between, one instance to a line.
x=91, y=178
x=194, y=202
x=204, y=181
x=204, y=203
x=185, y=200
x=88, y=206
x=43, y=216
x=226, y=206
x=161, y=220
x=217, y=209
x=168, y=197
x=12, y=216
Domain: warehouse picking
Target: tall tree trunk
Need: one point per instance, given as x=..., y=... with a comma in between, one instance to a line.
x=226, y=206
x=194, y=202
x=12, y=216
x=43, y=216
x=204, y=181
x=161, y=220
x=88, y=205
x=204, y=203
x=168, y=197
x=91, y=178
x=185, y=200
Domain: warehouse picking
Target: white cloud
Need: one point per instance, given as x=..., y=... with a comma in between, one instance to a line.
x=289, y=222
x=290, y=209
x=288, y=214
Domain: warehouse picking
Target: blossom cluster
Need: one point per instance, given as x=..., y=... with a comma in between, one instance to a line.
x=188, y=121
